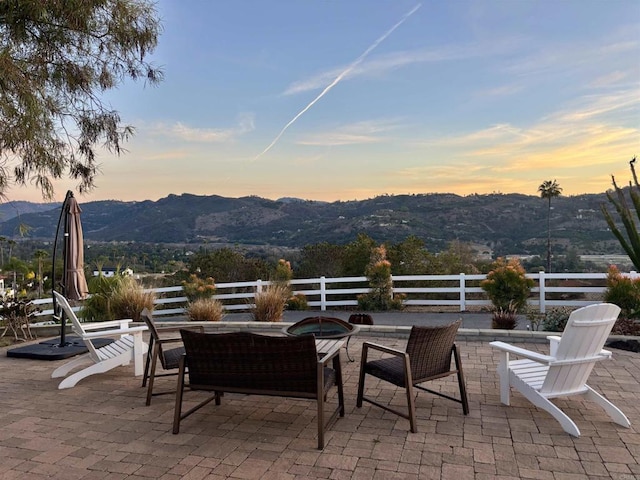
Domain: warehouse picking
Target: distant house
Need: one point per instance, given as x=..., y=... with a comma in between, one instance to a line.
x=111, y=272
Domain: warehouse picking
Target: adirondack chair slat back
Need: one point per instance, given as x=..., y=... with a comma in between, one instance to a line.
x=584, y=337
x=76, y=326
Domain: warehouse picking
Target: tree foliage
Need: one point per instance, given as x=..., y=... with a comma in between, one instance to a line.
x=56, y=58
x=631, y=242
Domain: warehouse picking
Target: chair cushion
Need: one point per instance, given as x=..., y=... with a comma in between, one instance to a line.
x=329, y=378
x=172, y=358
x=388, y=369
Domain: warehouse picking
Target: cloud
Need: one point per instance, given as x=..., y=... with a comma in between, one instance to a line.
x=356, y=133
x=581, y=144
x=181, y=131
x=353, y=65
x=391, y=61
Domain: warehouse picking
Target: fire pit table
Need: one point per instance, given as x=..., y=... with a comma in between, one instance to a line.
x=323, y=327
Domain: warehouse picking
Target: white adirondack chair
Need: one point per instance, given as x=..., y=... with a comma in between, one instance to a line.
x=564, y=372
x=127, y=346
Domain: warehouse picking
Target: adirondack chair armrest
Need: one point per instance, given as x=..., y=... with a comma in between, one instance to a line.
x=113, y=332
x=554, y=341
x=522, y=352
x=108, y=324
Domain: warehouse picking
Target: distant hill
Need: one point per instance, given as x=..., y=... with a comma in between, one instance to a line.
x=510, y=223
x=12, y=209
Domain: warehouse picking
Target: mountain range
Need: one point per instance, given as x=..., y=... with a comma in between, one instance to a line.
x=510, y=223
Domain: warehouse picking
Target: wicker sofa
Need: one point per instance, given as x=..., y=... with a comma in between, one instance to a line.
x=249, y=363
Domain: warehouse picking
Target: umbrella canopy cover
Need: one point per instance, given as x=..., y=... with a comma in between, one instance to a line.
x=75, y=283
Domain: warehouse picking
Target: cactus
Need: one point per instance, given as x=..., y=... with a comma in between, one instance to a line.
x=631, y=242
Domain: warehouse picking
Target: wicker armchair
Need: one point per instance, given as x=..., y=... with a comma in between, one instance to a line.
x=169, y=357
x=427, y=357
x=244, y=362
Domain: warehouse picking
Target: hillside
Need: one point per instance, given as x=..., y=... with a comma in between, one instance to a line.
x=510, y=223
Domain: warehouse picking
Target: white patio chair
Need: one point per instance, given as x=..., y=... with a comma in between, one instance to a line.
x=564, y=372
x=127, y=346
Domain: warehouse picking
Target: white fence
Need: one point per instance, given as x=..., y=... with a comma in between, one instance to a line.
x=460, y=291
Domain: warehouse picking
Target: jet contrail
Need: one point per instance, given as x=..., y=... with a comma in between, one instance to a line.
x=340, y=77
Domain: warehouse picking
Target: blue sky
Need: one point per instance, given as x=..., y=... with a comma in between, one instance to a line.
x=348, y=99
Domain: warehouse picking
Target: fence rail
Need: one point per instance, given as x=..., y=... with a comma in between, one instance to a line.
x=461, y=291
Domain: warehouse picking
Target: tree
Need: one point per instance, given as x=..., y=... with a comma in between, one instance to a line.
x=56, y=58
x=549, y=189
x=40, y=255
x=320, y=259
x=357, y=255
x=409, y=257
x=630, y=243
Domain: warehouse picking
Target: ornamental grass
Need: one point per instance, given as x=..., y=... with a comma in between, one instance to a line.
x=205, y=310
x=270, y=302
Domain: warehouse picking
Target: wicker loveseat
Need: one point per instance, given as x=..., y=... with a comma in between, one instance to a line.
x=244, y=362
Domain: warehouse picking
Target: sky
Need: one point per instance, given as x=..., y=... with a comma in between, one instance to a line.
x=350, y=99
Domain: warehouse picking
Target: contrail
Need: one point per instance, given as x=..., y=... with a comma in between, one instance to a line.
x=353, y=65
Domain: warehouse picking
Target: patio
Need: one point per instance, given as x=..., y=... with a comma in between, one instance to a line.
x=101, y=429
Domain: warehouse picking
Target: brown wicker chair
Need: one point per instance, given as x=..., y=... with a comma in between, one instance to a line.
x=244, y=362
x=427, y=357
x=169, y=357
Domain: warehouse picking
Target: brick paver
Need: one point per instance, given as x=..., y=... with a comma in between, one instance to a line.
x=102, y=429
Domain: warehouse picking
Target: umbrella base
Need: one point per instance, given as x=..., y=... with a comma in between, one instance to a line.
x=52, y=350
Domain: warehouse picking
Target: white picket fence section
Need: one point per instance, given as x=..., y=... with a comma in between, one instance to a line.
x=461, y=291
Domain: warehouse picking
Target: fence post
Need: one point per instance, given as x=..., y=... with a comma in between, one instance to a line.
x=541, y=280
x=323, y=294
x=463, y=293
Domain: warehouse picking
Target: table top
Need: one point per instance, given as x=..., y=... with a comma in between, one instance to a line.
x=325, y=346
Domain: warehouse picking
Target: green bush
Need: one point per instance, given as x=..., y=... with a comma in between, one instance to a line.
x=556, y=319
x=507, y=286
x=297, y=302
x=380, y=295
x=624, y=292
x=196, y=288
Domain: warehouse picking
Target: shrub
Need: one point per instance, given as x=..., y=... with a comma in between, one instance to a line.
x=380, y=295
x=114, y=298
x=556, y=319
x=283, y=272
x=507, y=285
x=534, y=317
x=129, y=299
x=269, y=303
x=626, y=326
x=205, y=310
x=297, y=302
x=504, y=318
x=98, y=307
x=196, y=287
x=624, y=292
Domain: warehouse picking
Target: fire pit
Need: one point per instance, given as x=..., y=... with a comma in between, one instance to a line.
x=322, y=327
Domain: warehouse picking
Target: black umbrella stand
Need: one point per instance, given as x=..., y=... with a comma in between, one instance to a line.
x=63, y=347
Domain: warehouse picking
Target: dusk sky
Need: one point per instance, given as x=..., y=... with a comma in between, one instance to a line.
x=349, y=99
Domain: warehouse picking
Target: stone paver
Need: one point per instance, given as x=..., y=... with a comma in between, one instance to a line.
x=102, y=429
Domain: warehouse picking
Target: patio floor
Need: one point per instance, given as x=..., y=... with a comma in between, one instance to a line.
x=101, y=429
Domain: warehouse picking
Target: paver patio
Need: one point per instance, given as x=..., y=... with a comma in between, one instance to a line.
x=101, y=429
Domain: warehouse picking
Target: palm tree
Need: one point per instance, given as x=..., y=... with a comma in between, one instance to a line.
x=549, y=189
x=40, y=256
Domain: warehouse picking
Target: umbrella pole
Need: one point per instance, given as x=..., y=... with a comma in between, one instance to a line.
x=63, y=213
